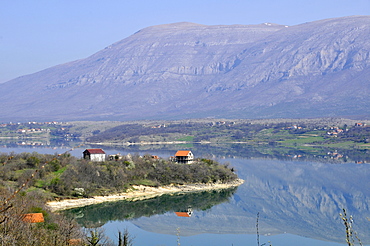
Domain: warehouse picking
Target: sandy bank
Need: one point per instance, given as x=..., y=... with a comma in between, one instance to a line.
x=138, y=193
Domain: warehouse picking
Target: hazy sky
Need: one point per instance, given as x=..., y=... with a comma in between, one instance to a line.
x=37, y=34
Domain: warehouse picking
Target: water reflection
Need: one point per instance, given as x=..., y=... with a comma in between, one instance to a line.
x=305, y=198
x=215, y=150
x=185, y=212
x=294, y=192
x=300, y=198
x=99, y=214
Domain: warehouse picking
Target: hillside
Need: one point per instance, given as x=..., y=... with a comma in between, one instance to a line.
x=187, y=70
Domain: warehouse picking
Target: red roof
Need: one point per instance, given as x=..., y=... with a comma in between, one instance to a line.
x=95, y=151
x=33, y=218
x=182, y=153
x=182, y=214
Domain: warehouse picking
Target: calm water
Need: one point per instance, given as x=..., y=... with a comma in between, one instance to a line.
x=298, y=203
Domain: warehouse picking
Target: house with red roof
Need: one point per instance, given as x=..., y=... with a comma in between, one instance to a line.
x=33, y=218
x=94, y=154
x=185, y=213
x=184, y=157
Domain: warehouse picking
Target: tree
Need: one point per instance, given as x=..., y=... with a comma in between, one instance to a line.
x=97, y=237
x=126, y=239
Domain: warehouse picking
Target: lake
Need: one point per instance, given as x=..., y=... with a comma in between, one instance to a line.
x=296, y=198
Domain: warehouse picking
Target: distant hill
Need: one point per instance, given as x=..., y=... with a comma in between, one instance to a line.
x=187, y=70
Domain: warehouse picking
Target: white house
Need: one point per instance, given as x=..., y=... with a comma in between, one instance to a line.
x=184, y=156
x=94, y=154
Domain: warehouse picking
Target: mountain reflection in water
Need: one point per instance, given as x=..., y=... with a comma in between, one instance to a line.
x=301, y=198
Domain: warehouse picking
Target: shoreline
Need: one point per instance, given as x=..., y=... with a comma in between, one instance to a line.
x=164, y=143
x=139, y=192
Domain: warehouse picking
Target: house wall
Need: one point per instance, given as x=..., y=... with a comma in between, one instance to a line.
x=184, y=159
x=97, y=157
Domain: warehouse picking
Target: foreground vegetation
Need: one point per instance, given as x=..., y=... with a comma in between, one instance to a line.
x=28, y=180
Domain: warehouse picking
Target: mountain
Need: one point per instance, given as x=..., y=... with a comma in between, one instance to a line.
x=187, y=70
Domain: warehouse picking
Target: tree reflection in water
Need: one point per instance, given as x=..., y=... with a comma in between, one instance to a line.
x=99, y=214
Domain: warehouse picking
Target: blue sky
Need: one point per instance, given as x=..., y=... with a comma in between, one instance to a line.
x=37, y=34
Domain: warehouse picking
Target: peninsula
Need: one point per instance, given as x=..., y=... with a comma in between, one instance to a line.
x=140, y=192
x=64, y=181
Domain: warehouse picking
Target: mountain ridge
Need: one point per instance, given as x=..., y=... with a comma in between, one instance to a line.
x=189, y=70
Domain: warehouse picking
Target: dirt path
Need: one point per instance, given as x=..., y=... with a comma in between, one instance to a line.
x=139, y=193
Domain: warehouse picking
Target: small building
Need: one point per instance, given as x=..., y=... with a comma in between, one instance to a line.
x=184, y=157
x=94, y=154
x=115, y=157
x=33, y=218
x=185, y=213
x=360, y=124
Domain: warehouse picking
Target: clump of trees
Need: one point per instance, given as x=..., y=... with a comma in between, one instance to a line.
x=18, y=196
x=28, y=180
x=356, y=134
x=67, y=176
x=14, y=230
x=101, y=178
x=56, y=229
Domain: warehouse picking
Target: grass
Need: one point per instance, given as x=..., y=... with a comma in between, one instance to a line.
x=185, y=146
x=60, y=171
x=144, y=182
x=364, y=146
x=186, y=139
x=46, y=181
x=341, y=144
x=302, y=140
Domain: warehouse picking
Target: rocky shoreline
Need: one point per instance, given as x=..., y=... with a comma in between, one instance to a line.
x=140, y=193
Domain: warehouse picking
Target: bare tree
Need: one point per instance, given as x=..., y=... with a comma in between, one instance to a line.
x=97, y=237
x=126, y=239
